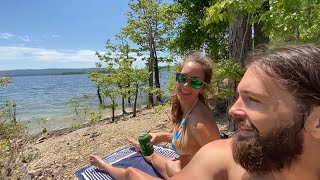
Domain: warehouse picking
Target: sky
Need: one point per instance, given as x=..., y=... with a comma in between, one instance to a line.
x=40, y=34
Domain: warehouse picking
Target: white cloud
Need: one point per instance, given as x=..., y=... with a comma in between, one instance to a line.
x=40, y=54
x=6, y=35
x=55, y=36
x=24, y=38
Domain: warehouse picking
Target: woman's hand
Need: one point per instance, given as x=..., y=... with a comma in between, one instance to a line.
x=158, y=138
x=173, y=166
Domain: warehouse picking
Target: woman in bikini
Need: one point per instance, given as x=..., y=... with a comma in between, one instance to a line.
x=194, y=124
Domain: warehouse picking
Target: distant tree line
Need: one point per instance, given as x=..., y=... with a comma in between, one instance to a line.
x=44, y=72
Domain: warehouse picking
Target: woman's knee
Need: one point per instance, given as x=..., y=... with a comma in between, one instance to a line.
x=130, y=172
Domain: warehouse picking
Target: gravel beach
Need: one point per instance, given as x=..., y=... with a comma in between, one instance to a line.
x=59, y=155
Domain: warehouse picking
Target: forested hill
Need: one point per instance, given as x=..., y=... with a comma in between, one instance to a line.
x=43, y=72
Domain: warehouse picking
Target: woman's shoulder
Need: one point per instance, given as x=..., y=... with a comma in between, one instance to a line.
x=202, y=122
x=203, y=114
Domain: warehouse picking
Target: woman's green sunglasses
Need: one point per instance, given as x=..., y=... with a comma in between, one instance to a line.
x=195, y=83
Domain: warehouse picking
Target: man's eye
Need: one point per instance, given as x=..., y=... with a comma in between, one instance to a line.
x=252, y=99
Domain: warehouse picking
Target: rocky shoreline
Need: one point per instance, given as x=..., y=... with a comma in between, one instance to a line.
x=59, y=154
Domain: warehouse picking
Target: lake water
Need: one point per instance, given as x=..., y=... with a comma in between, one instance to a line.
x=45, y=96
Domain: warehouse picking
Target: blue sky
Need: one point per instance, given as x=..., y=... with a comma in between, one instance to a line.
x=39, y=34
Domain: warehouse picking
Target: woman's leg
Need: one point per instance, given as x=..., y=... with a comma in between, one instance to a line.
x=136, y=174
x=159, y=162
x=132, y=173
x=118, y=173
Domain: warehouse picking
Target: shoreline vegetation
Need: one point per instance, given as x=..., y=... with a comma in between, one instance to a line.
x=60, y=153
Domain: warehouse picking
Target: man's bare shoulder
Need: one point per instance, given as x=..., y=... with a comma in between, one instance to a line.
x=217, y=155
x=212, y=161
x=218, y=149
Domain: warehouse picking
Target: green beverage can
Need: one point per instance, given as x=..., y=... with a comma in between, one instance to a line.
x=145, y=144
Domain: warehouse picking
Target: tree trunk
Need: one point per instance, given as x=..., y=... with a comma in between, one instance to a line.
x=129, y=96
x=239, y=46
x=150, y=70
x=135, y=102
x=239, y=39
x=99, y=95
x=113, y=110
x=297, y=34
x=157, y=77
x=123, y=106
x=150, y=95
x=260, y=40
x=14, y=115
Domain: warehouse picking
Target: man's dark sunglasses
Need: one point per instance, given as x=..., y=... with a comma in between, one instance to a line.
x=195, y=83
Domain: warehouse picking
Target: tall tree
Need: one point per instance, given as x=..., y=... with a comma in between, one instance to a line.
x=115, y=82
x=150, y=26
x=120, y=77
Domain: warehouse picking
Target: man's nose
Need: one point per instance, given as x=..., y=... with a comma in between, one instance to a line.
x=236, y=109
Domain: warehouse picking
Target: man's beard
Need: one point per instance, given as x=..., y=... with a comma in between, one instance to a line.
x=273, y=152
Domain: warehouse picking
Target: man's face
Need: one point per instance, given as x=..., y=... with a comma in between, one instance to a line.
x=269, y=137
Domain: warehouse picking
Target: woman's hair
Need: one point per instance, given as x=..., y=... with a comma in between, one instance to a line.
x=206, y=64
x=297, y=70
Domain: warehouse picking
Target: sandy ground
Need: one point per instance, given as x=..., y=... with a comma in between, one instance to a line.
x=60, y=156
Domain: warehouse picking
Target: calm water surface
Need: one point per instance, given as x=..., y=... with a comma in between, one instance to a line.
x=45, y=96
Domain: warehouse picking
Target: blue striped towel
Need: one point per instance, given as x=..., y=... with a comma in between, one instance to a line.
x=124, y=158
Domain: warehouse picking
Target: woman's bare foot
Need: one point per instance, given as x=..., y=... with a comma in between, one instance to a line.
x=134, y=143
x=97, y=161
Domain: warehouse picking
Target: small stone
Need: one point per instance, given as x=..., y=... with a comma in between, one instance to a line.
x=95, y=134
x=41, y=140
